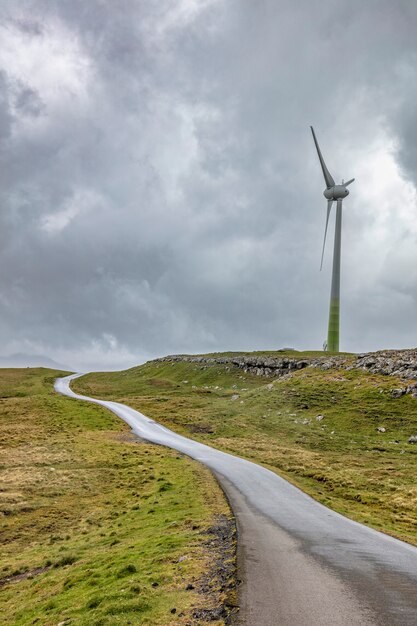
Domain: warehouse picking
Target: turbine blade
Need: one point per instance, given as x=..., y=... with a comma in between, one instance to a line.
x=348, y=182
x=327, y=176
x=329, y=206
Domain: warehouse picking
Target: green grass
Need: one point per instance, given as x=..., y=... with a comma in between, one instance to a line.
x=341, y=460
x=97, y=527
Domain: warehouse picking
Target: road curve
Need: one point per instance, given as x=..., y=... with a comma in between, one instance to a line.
x=301, y=564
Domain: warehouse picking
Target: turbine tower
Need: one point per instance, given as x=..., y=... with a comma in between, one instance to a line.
x=333, y=193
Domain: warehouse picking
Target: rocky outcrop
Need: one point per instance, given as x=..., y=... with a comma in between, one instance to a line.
x=399, y=363
x=261, y=365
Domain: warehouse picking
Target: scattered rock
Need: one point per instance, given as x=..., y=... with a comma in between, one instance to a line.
x=319, y=418
x=381, y=429
x=397, y=393
x=209, y=615
x=189, y=587
x=235, y=396
x=219, y=583
x=412, y=439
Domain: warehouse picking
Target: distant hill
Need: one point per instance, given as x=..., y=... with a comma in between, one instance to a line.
x=31, y=360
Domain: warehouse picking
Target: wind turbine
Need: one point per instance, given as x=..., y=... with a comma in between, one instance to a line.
x=333, y=193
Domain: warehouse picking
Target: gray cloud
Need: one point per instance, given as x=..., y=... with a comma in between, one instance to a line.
x=159, y=187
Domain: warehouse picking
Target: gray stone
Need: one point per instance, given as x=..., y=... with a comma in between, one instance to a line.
x=397, y=393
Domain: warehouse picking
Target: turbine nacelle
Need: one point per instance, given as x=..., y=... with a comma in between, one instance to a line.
x=335, y=193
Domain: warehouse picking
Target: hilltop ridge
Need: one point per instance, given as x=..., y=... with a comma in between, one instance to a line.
x=399, y=363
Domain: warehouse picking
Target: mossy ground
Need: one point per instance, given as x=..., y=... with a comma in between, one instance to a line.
x=97, y=527
x=341, y=460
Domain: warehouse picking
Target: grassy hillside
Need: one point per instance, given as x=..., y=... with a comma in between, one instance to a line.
x=99, y=528
x=317, y=428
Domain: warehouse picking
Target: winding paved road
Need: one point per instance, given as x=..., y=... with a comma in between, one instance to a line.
x=301, y=564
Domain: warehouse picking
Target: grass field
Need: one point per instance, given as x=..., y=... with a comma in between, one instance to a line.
x=319, y=429
x=99, y=528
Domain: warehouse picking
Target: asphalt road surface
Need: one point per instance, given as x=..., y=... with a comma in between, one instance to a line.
x=301, y=564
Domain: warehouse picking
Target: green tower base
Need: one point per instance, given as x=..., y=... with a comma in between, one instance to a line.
x=333, y=330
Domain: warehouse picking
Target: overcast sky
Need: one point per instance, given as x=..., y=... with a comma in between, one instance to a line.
x=160, y=191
